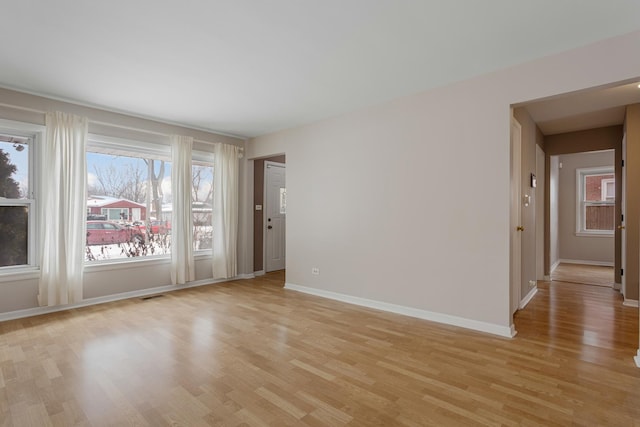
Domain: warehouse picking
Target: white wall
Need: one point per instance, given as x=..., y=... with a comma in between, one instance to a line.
x=408, y=202
x=580, y=248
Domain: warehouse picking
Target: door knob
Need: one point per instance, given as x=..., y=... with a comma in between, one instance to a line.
x=621, y=227
x=519, y=228
x=269, y=227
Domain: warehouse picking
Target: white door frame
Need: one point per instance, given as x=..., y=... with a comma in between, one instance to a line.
x=265, y=211
x=515, y=221
x=623, y=233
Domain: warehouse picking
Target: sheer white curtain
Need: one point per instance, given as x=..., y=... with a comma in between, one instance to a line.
x=63, y=174
x=225, y=210
x=182, y=263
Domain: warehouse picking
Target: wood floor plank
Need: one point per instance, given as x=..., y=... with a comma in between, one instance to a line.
x=252, y=353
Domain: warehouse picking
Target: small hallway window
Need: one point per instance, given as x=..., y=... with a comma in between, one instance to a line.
x=596, y=200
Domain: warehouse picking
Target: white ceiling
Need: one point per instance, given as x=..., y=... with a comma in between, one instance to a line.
x=248, y=67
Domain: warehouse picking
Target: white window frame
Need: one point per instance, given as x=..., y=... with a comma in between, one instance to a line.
x=581, y=204
x=198, y=158
x=109, y=145
x=35, y=134
x=605, y=187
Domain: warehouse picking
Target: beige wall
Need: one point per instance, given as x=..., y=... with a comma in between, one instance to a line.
x=105, y=280
x=580, y=248
x=606, y=138
x=632, y=167
x=365, y=217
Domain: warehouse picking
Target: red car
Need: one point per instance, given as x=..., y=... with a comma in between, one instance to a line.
x=108, y=233
x=160, y=227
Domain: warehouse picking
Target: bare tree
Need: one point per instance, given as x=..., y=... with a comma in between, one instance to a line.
x=121, y=183
x=156, y=186
x=201, y=176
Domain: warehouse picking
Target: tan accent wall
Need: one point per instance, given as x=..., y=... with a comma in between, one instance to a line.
x=606, y=138
x=632, y=166
x=258, y=216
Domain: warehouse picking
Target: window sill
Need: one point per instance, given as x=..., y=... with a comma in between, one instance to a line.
x=117, y=264
x=202, y=254
x=588, y=234
x=19, y=274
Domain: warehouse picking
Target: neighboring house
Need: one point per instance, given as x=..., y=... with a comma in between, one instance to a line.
x=116, y=209
x=202, y=213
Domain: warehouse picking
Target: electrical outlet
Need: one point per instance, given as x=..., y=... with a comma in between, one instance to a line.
x=315, y=271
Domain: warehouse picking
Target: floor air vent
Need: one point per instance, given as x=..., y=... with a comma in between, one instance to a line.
x=151, y=297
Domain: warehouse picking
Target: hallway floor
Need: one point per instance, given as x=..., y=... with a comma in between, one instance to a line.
x=584, y=274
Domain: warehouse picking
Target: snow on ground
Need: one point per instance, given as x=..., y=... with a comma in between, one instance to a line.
x=127, y=250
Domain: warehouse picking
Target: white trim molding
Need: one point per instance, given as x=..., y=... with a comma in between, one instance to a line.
x=491, y=328
x=637, y=359
x=528, y=297
x=554, y=266
x=586, y=262
x=630, y=302
x=259, y=273
x=617, y=286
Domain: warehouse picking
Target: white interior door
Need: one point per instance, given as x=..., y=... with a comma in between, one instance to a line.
x=516, y=215
x=275, y=216
x=623, y=232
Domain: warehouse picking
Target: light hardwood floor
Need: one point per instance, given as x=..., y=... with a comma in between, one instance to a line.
x=585, y=274
x=251, y=353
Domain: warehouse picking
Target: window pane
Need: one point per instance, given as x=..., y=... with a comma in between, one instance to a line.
x=14, y=167
x=594, y=187
x=133, y=193
x=599, y=217
x=14, y=221
x=283, y=201
x=201, y=208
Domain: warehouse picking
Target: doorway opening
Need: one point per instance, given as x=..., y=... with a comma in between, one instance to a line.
x=259, y=211
x=584, y=211
x=586, y=241
x=275, y=212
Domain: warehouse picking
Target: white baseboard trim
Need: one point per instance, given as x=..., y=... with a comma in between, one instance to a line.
x=547, y=277
x=630, y=303
x=586, y=262
x=528, y=298
x=491, y=328
x=617, y=286
x=554, y=266
x=36, y=311
x=637, y=359
x=258, y=273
